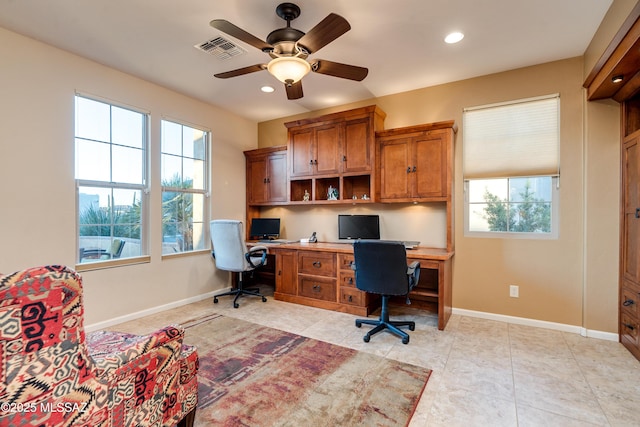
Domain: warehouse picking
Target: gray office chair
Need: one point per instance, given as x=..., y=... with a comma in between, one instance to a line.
x=381, y=268
x=231, y=254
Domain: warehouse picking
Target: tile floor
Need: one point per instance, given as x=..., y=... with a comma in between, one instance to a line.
x=485, y=373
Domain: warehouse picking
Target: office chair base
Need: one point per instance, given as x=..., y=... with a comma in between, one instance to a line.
x=238, y=293
x=381, y=325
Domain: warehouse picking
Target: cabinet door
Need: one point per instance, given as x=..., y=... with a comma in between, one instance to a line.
x=395, y=159
x=327, y=144
x=429, y=165
x=286, y=272
x=277, y=178
x=300, y=152
x=630, y=188
x=357, y=146
x=257, y=179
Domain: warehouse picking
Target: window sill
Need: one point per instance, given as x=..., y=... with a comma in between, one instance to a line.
x=111, y=263
x=186, y=254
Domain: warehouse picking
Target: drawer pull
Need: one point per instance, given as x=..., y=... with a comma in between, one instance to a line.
x=316, y=288
x=350, y=298
x=351, y=280
x=628, y=302
x=317, y=264
x=627, y=325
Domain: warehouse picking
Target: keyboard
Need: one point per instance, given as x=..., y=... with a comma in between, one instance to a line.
x=277, y=241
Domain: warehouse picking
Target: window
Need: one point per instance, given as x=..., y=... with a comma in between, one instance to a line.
x=184, y=188
x=511, y=168
x=110, y=172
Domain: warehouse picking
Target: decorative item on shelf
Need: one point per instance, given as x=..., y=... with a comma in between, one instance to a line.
x=354, y=197
x=332, y=193
x=306, y=196
x=365, y=197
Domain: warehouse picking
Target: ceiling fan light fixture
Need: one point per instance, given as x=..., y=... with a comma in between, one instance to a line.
x=288, y=69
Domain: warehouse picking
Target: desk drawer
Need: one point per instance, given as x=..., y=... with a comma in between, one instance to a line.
x=321, y=288
x=317, y=263
x=347, y=278
x=345, y=261
x=352, y=296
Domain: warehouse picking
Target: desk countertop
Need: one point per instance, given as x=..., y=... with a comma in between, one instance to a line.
x=417, y=252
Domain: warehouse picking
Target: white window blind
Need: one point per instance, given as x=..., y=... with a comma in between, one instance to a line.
x=520, y=138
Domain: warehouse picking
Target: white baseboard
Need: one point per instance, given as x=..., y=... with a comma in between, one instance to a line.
x=608, y=336
x=133, y=316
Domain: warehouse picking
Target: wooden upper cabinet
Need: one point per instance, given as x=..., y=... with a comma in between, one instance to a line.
x=357, y=146
x=327, y=149
x=266, y=175
x=416, y=163
x=334, y=144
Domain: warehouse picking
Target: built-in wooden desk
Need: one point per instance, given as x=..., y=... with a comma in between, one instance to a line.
x=320, y=275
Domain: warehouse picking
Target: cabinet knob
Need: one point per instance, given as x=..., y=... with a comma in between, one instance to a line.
x=311, y=161
x=315, y=162
x=350, y=298
x=637, y=212
x=264, y=180
x=344, y=158
x=627, y=325
x=316, y=288
x=408, y=169
x=628, y=302
x=414, y=169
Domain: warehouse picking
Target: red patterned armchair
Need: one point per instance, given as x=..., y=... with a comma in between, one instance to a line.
x=50, y=375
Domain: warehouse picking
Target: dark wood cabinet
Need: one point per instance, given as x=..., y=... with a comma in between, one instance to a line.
x=416, y=163
x=629, y=314
x=266, y=175
x=337, y=151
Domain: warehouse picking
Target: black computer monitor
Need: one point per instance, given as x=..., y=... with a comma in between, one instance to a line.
x=265, y=228
x=358, y=227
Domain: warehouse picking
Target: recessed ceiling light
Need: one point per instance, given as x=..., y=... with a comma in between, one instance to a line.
x=267, y=89
x=454, y=37
x=617, y=79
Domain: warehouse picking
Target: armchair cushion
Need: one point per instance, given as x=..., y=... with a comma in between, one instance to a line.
x=55, y=376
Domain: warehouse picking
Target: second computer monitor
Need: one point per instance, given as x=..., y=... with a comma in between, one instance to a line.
x=352, y=227
x=265, y=228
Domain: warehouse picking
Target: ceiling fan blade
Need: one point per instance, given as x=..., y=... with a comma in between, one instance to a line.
x=237, y=32
x=327, y=30
x=241, y=71
x=337, y=69
x=294, y=91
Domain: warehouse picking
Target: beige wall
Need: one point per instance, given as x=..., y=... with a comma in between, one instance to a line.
x=551, y=273
x=37, y=187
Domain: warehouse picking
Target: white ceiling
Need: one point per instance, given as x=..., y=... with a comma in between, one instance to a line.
x=400, y=42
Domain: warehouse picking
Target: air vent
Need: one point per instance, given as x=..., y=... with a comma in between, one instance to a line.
x=221, y=48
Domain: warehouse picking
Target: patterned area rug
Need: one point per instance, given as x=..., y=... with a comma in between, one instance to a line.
x=252, y=375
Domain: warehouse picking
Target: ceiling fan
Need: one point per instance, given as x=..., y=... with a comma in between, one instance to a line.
x=289, y=49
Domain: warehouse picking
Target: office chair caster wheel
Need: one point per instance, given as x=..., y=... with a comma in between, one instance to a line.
x=412, y=327
x=264, y=299
x=358, y=324
x=366, y=338
x=215, y=300
x=405, y=340
x=236, y=305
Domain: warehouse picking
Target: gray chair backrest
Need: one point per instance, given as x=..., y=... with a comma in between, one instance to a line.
x=227, y=237
x=381, y=267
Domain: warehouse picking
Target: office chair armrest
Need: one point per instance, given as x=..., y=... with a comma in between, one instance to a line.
x=413, y=271
x=257, y=250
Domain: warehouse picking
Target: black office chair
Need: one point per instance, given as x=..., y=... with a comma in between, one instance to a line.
x=381, y=268
x=231, y=254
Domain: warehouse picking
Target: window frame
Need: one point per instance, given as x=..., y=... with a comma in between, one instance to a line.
x=205, y=192
x=142, y=187
x=513, y=174
x=555, y=210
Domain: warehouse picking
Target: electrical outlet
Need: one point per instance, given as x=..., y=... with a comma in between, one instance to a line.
x=514, y=291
